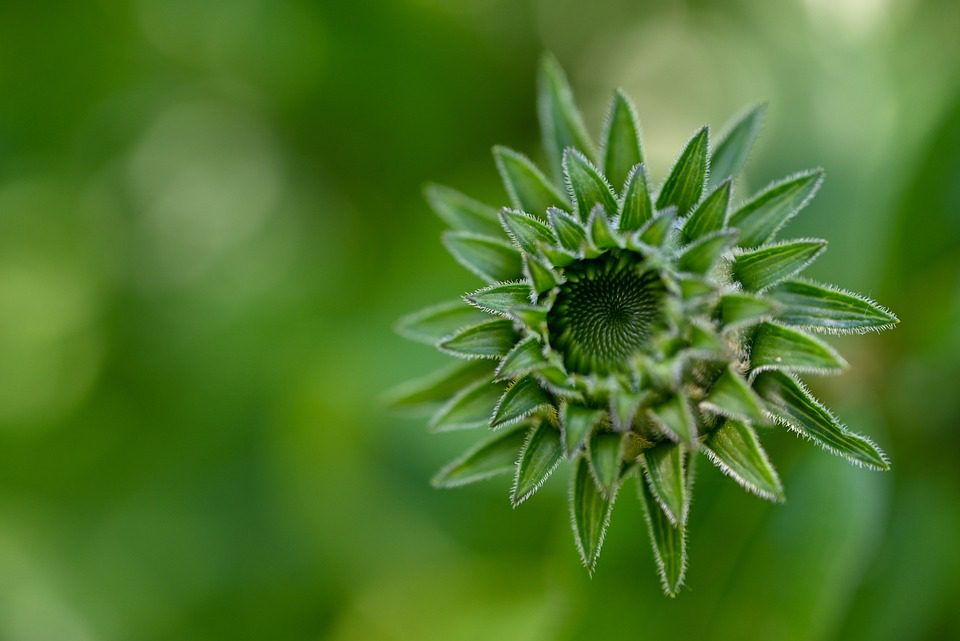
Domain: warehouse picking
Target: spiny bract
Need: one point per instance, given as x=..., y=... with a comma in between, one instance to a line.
x=626, y=329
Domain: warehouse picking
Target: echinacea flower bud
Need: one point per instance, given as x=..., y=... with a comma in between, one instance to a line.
x=626, y=329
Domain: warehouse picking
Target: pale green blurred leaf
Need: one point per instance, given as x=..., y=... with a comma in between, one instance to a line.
x=437, y=322
x=462, y=212
x=560, y=120
x=441, y=385
x=469, y=408
x=492, y=457
x=491, y=259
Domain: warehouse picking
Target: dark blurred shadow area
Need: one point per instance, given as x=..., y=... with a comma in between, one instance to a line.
x=211, y=214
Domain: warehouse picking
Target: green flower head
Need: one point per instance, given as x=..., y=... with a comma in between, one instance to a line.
x=626, y=328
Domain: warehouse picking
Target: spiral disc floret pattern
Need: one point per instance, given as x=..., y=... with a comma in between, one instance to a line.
x=604, y=313
x=626, y=328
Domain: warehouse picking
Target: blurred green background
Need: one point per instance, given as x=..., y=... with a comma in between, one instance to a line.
x=210, y=215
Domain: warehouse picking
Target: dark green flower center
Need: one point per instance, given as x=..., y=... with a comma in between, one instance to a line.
x=604, y=313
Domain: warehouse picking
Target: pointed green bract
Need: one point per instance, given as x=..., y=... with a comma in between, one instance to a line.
x=778, y=347
x=557, y=256
x=601, y=234
x=621, y=140
x=636, y=205
x=589, y=512
x=694, y=286
x=623, y=409
x=501, y=297
x=829, y=309
x=560, y=119
x=528, y=188
x=675, y=419
x=491, y=259
x=526, y=231
x=471, y=407
x=569, y=230
x=790, y=402
x=462, y=212
x=526, y=356
x=760, y=218
x=586, y=185
x=710, y=216
x=734, y=145
x=657, y=229
x=577, y=423
x=765, y=266
x=732, y=397
x=441, y=385
x=666, y=475
x=702, y=255
x=684, y=185
x=735, y=449
x=533, y=316
x=705, y=340
x=739, y=310
x=669, y=542
x=555, y=380
x=495, y=456
x=540, y=456
x=606, y=454
x=434, y=323
x=491, y=339
x=521, y=399
x=540, y=273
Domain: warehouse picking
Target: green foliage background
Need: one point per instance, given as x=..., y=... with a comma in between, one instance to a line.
x=210, y=215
